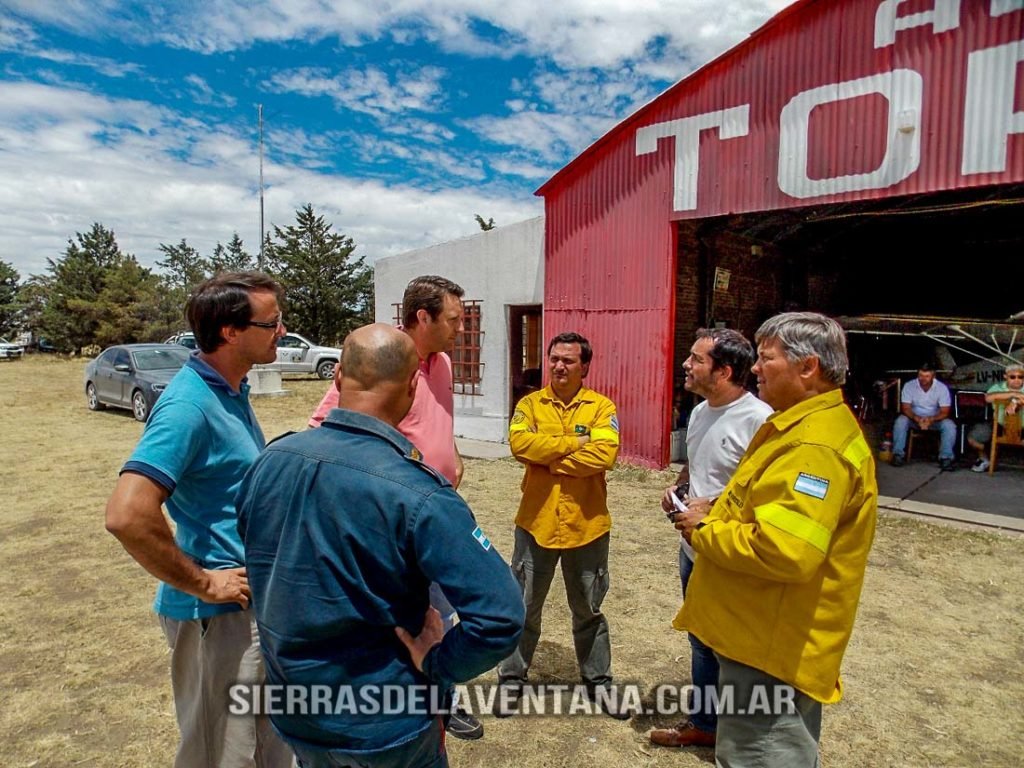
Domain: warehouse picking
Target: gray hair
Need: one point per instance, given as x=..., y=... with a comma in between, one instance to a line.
x=1014, y=367
x=809, y=334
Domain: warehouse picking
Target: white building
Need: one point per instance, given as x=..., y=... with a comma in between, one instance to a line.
x=502, y=272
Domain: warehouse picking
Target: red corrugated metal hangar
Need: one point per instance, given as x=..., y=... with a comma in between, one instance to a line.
x=849, y=157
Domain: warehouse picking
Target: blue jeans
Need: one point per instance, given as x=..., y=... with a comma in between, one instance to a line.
x=947, y=438
x=425, y=751
x=703, y=664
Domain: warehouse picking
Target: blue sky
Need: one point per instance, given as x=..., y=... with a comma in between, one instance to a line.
x=397, y=119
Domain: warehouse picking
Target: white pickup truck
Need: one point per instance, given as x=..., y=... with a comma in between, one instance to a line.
x=295, y=354
x=10, y=351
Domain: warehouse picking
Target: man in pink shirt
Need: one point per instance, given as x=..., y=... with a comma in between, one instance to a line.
x=432, y=317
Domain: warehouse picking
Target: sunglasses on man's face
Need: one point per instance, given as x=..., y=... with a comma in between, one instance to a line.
x=272, y=324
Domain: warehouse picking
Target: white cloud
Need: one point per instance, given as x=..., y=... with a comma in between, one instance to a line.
x=524, y=169
x=154, y=176
x=86, y=16
x=203, y=93
x=560, y=114
x=551, y=136
x=571, y=33
x=427, y=161
x=14, y=33
x=369, y=90
x=424, y=130
x=19, y=37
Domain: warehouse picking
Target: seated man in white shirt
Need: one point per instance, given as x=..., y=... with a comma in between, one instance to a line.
x=925, y=404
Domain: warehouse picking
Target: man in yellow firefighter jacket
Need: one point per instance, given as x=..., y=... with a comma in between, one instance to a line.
x=568, y=437
x=782, y=553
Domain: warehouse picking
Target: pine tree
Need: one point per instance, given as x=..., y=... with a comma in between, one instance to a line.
x=232, y=258
x=328, y=293
x=130, y=307
x=73, y=285
x=183, y=268
x=9, y=309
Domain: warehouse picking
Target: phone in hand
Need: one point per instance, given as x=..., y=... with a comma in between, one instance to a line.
x=679, y=507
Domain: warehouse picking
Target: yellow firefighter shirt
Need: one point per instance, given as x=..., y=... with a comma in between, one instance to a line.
x=565, y=499
x=782, y=556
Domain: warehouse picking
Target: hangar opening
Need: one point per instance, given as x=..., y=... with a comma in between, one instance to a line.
x=953, y=255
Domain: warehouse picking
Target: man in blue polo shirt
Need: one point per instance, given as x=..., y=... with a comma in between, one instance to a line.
x=199, y=441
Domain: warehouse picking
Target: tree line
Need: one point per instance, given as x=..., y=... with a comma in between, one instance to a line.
x=96, y=294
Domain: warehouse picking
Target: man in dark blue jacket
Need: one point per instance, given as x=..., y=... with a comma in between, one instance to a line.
x=344, y=530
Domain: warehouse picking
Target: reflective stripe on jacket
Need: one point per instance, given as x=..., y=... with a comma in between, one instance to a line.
x=782, y=557
x=565, y=500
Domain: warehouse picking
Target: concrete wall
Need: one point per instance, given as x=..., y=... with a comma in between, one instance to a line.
x=501, y=267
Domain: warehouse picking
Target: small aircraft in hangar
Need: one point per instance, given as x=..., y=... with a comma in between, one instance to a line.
x=969, y=353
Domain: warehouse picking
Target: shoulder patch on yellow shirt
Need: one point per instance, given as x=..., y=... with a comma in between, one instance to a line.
x=519, y=417
x=810, y=485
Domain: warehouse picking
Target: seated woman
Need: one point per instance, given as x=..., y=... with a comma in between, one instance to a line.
x=1006, y=396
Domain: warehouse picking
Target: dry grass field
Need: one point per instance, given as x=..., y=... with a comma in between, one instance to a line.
x=934, y=672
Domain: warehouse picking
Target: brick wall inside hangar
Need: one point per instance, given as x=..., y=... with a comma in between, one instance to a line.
x=755, y=288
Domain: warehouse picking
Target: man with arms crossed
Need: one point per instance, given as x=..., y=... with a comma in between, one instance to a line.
x=345, y=528
x=568, y=437
x=199, y=441
x=719, y=431
x=782, y=553
x=432, y=318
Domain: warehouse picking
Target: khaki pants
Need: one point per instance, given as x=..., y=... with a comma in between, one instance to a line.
x=585, y=573
x=784, y=737
x=208, y=656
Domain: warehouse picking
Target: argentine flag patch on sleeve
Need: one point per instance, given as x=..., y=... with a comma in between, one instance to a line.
x=809, y=485
x=482, y=539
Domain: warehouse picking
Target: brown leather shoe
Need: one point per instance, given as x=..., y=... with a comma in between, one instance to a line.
x=685, y=734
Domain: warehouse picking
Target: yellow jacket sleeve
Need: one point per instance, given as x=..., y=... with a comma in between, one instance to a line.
x=779, y=526
x=599, y=454
x=528, y=442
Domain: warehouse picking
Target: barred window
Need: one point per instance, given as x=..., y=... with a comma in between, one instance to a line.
x=466, y=365
x=398, y=313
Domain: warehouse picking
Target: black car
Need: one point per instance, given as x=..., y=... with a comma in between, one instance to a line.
x=132, y=376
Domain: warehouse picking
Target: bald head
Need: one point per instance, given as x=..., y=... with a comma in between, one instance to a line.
x=377, y=372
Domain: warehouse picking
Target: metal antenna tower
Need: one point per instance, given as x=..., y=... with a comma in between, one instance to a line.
x=259, y=109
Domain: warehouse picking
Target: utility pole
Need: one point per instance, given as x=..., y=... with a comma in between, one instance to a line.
x=259, y=109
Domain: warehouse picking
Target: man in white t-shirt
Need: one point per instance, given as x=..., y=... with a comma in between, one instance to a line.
x=717, y=436
x=925, y=404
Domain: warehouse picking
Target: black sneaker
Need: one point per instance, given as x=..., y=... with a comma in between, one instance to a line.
x=506, y=700
x=946, y=465
x=608, y=701
x=898, y=460
x=463, y=725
